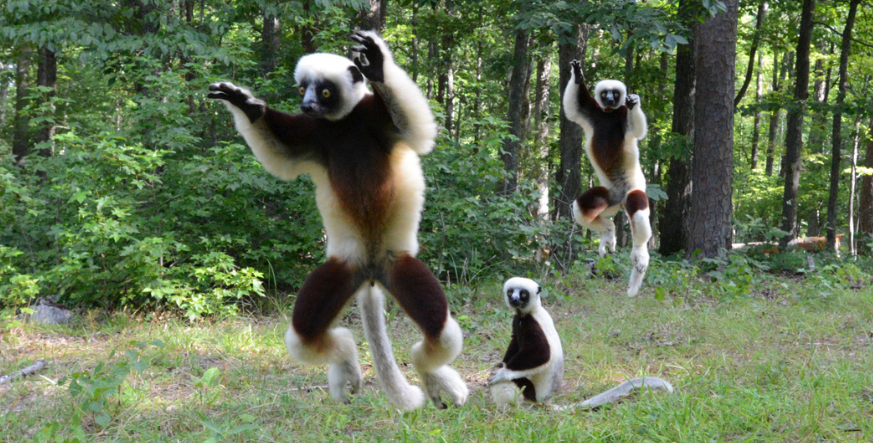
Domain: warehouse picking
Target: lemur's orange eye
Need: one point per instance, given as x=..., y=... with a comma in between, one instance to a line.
x=325, y=93
x=301, y=90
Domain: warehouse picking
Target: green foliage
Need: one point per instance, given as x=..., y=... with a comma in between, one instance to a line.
x=99, y=394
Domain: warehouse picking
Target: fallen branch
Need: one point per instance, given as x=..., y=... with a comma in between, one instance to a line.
x=39, y=365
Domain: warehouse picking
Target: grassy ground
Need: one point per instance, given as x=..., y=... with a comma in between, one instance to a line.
x=790, y=362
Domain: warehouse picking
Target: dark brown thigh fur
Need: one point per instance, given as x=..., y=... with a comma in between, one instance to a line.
x=593, y=201
x=321, y=298
x=636, y=201
x=419, y=293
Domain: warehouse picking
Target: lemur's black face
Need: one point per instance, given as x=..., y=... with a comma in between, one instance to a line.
x=611, y=99
x=320, y=97
x=518, y=298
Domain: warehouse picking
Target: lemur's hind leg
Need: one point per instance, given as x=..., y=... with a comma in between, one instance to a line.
x=591, y=209
x=637, y=206
x=311, y=341
x=418, y=292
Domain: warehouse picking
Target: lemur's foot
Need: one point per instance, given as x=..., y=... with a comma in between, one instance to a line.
x=445, y=380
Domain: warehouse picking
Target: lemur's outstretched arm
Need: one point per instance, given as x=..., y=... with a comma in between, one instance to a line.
x=583, y=96
x=407, y=105
x=279, y=140
x=636, y=119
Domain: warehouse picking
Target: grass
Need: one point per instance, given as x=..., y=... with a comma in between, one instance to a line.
x=789, y=362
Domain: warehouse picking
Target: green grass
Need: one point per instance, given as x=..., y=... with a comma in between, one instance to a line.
x=793, y=361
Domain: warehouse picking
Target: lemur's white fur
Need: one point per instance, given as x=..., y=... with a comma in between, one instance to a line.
x=421, y=129
x=637, y=128
x=548, y=377
x=406, y=103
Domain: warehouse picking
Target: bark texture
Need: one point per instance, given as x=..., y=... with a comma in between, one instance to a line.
x=569, y=173
x=709, y=222
x=519, y=85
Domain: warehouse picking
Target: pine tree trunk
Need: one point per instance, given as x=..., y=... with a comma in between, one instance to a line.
x=837, y=137
x=709, y=221
x=569, y=173
x=678, y=189
x=794, y=132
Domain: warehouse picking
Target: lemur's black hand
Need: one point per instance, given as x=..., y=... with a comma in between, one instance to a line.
x=369, y=58
x=576, y=65
x=244, y=100
x=632, y=100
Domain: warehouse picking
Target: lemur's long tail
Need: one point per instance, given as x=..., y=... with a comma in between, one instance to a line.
x=405, y=396
x=622, y=390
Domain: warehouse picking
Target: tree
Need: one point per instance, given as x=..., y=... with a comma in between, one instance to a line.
x=794, y=132
x=540, y=171
x=678, y=173
x=845, y=48
x=709, y=219
x=519, y=86
x=571, y=46
x=865, y=199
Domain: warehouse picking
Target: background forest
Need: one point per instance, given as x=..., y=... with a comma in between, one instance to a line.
x=120, y=184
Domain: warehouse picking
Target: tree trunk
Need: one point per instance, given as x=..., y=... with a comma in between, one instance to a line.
x=21, y=122
x=47, y=77
x=307, y=30
x=709, y=222
x=759, y=22
x=518, y=89
x=853, y=183
x=374, y=17
x=569, y=173
x=837, y=138
x=865, y=197
x=794, y=132
x=818, y=117
x=678, y=189
x=4, y=94
x=540, y=170
x=773, y=129
x=271, y=38
x=756, y=131
x=414, y=51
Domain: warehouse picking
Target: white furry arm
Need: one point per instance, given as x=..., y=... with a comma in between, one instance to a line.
x=407, y=105
x=636, y=119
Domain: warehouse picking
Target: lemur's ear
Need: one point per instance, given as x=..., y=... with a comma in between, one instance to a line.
x=539, y=289
x=356, y=74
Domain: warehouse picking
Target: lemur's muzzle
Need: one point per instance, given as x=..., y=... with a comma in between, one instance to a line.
x=310, y=105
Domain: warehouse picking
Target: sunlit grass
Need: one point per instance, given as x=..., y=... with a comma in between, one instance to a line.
x=794, y=365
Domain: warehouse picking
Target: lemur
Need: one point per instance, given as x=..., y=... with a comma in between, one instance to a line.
x=533, y=366
x=361, y=149
x=613, y=122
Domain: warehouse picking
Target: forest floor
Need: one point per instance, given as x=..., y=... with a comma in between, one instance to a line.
x=785, y=363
